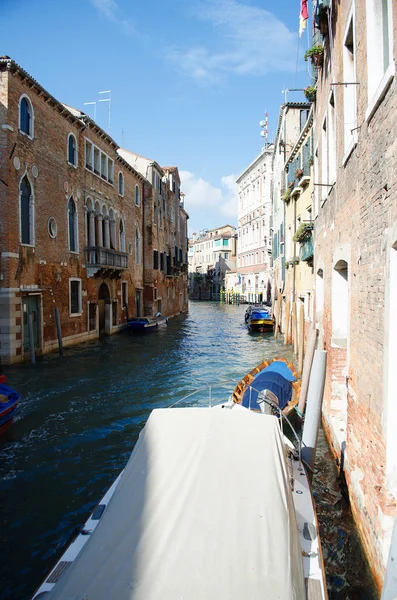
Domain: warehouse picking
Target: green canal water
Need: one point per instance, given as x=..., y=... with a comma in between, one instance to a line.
x=80, y=416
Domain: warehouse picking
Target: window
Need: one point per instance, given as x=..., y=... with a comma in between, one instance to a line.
x=104, y=166
x=122, y=236
x=137, y=196
x=161, y=261
x=226, y=255
x=121, y=184
x=72, y=225
x=324, y=161
x=26, y=212
x=110, y=170
x=124, y=293
x=89, y=155
x=98, y=162
x=379, y=48
x=155, y=259
x=349, y=91
x=137, y=247
x=331, y=140
x=75, y=297
x=26, y=116
x=72, y=150
x=155, y=296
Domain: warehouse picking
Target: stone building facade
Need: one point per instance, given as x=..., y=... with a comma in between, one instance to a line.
x=165, y=237
x=254, y=229
x=71, y=224
x=298, y=207
x=292, y=120
x=212, y=254
x=355, y=210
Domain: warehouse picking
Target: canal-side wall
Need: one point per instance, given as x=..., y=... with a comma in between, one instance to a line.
x=356, y=265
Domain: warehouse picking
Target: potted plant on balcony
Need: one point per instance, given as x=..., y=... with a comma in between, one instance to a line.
x=303, y=233
x=316, y=55
x=286, y=195
x=310, y=93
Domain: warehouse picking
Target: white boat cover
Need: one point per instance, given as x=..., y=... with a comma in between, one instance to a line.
x=203, y=511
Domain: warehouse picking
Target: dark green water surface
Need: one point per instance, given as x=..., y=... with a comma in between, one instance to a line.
x=80, y=416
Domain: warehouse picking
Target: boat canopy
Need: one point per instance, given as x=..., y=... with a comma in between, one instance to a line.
x=203, y=511
x=277, y=378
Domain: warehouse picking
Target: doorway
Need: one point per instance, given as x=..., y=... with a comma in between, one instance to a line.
x=104, y=309
x=30, y=306
x=138, y=303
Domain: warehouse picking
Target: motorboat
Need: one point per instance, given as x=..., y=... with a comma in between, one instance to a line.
x=259, y=318
x=213, y=504
x=144, y=324
x=276, y=378
x=9, y=399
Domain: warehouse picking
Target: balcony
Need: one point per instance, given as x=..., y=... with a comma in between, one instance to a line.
x=106, y=258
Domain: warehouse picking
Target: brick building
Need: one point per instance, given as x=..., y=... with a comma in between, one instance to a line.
x=355, y=209
x=165, y=237
x=72, y=224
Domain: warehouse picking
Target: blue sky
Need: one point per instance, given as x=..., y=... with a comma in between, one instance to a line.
x=190, y=79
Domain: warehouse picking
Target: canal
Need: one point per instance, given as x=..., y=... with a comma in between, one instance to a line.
x=80, y=416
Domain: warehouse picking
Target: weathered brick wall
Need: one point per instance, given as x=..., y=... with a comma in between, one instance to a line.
x=353, y=225
x=49, y=264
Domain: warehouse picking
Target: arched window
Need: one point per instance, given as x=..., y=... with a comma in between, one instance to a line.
x=72, y=150
x=137, y=196
x=72, y=225
x=137, y=247
x=122, y=236
x=112, y=229
x=26, y=212
x=26, y=116
x=121, y=184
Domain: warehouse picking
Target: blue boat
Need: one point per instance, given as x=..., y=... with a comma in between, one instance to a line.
x=145, y=324
x=259, y=318
x=275, y=380
x=9, y=399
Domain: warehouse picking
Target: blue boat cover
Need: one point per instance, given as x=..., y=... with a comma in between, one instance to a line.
x=277, y=378
x=12, y=396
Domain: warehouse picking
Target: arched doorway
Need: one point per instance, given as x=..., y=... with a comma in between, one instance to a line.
x=104, y=309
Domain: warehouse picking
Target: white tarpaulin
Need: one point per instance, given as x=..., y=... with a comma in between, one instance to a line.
x=203, y=511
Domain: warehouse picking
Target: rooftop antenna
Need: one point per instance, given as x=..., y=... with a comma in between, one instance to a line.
x=286, y=90
x=94, y=103
x=107, y=100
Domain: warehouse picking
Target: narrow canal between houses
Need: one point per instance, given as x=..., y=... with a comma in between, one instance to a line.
x=80, y=416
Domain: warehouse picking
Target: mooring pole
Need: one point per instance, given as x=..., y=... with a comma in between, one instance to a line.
x=31, y=339
x=59, y=330
x=313, y=409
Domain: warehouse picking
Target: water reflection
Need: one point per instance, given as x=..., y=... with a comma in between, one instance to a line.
x=80, y=416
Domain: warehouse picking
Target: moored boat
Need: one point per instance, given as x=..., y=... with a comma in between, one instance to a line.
x=143, y=324
x=275, y=378
x=190, y=518
x=9, y=399
x=259, y=318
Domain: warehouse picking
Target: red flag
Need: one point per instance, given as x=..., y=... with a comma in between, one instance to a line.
x=304, y=15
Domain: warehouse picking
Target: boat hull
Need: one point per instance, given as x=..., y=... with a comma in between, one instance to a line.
x=8, y=406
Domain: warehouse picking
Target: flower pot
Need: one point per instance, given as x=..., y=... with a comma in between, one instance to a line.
x=317, y=60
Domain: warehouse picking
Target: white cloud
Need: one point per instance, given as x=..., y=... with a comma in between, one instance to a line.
x=110, y=9
x=255, y=43
x=209, y=206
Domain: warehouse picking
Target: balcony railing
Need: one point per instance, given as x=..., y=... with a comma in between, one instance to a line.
x=106, y=258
